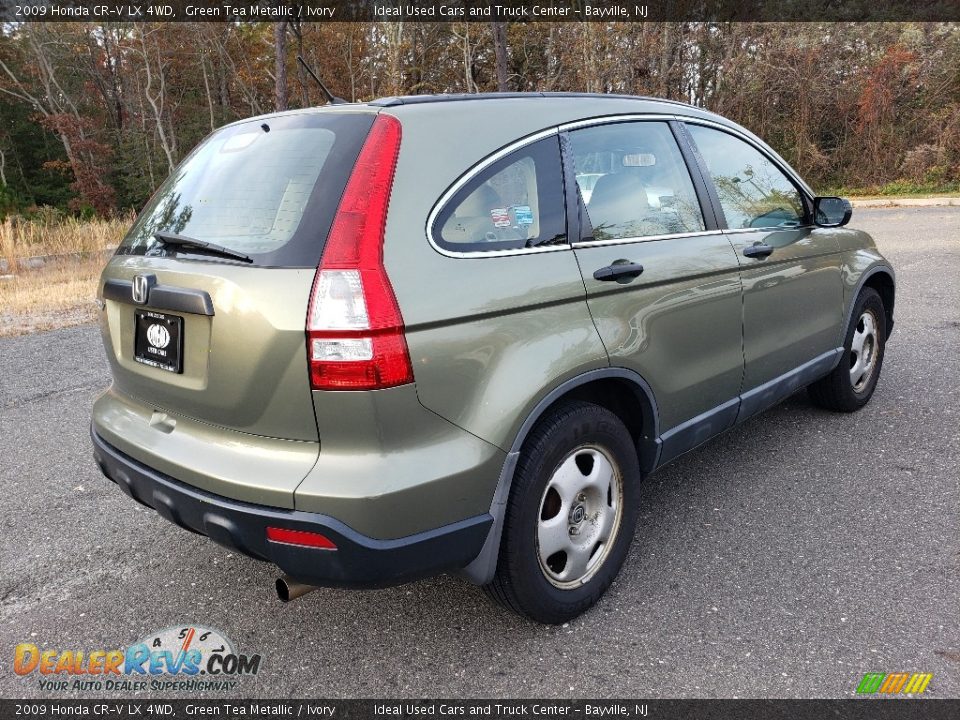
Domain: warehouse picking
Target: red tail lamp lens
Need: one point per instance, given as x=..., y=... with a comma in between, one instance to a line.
x=303, y=538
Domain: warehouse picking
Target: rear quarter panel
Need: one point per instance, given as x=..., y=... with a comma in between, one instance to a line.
x=488, y=336
x=495, y=335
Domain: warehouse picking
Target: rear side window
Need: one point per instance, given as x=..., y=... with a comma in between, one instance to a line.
x=633, y=181
x=516, y=202
x=753, y=191
x=267, y=188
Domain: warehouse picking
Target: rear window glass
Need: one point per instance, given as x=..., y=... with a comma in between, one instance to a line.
x=517, y=202
x=266, y=188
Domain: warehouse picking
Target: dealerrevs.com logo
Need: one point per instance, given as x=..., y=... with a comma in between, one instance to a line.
x=191, y=659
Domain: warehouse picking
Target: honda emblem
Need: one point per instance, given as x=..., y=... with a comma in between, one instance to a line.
x=141, y=289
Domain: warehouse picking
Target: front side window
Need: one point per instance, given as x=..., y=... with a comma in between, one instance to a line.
x=753, y=191
x=633, y=181
x=517, y=202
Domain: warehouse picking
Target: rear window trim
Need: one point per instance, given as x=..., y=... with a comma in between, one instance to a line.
x=466, y=178
x=560, y=129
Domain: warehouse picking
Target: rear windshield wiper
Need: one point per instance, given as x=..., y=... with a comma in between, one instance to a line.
x=169, y=238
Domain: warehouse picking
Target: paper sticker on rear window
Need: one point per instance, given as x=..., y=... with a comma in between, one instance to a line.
x=639, y=160
x=500, y=217
x=524, y=215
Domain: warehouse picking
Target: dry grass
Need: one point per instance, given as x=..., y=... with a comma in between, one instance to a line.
x=59, y=290
x=50, y=234
x=60, y=294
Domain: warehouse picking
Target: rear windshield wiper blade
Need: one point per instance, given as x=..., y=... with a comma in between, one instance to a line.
x=169, y=238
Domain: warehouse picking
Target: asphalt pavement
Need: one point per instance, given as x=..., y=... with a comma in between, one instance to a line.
x=784, y=559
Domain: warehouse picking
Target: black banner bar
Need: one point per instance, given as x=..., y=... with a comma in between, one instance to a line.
x=476, y=10
x=852, y=709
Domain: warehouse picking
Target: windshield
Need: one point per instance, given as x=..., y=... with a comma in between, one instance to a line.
x=265, y=188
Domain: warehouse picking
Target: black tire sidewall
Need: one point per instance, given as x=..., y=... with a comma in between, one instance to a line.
x=869, y=299
x=582, y=424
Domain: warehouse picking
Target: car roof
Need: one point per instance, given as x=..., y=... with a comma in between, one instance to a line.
x=549, y=107
x=569, y=104
x=394, y=100
x=552, y=106
x=528, y=112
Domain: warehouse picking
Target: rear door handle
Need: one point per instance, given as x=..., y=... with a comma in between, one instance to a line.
x=758, y=250
x=621, y=270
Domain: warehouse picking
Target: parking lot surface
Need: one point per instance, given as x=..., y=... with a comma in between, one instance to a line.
x=786, y=558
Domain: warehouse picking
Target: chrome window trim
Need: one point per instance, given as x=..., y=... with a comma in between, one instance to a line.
x=768, y=229
x=642, y=238
x=477, y=254
x=466, y=178
x=503, y=152
x=611, y=119
x=590, y=122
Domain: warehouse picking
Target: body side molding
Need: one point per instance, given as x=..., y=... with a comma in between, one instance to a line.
x=697, y=430
x=706, y=426
x=772, y=392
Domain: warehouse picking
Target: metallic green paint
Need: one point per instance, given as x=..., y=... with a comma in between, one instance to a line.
x=225, y=462
x=245, y=368
x=507, y=330
x=391, y=468
x=489, y=339
x=792, y=302
x=678, y=324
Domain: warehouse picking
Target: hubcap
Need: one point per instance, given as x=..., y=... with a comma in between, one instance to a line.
x=579, y=517
x=863, y=351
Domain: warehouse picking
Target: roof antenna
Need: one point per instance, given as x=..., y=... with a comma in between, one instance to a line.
x=331, y=98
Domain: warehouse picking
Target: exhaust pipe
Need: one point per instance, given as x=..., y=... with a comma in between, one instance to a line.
x=289, y=589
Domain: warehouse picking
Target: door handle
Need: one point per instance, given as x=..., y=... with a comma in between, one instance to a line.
x=758, y=250
x=620, y=271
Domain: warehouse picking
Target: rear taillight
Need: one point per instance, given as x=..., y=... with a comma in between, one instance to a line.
x=355, y=338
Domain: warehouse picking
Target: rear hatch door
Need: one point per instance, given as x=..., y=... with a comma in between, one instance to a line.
x=217, y=334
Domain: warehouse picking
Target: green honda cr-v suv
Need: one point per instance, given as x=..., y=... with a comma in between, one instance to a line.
x=374, y=342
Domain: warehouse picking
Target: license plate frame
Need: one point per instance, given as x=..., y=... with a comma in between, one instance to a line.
x=158, y=340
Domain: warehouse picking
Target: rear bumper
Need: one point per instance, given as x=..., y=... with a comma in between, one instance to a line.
x=358, y=561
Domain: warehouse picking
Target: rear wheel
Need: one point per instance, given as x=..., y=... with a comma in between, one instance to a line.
x=571, y=514
x=851, y=384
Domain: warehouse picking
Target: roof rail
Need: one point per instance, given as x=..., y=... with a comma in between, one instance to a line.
x=459, y=97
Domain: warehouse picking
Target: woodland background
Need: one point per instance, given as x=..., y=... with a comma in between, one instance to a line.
x=93, y=117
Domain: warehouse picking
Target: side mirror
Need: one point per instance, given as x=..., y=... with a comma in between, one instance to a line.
x=831, y=211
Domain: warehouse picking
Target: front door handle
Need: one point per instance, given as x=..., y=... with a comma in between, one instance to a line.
x=758, y=250
x=620, y=271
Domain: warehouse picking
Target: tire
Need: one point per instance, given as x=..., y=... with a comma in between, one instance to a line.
x=862, y=357
x=578, y=444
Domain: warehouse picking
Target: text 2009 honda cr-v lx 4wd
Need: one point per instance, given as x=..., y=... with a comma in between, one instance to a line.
x=374, y=342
